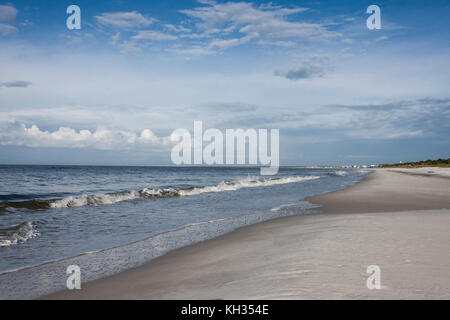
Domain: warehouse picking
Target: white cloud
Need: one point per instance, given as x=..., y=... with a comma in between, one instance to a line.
x=174, y=28
x=8, y=13
x=225, y=43
x=148, y=136
x=130, y=19
x=6, y=29
x=269, y=23
x=385, y=133
x=382, y=121
x=382, y=38
x=220, y=44
x=7, y=17
x=218, y=26
x=211, y=2
x=193, y=51
x=153, y=35
x=287, y=44
x=115, y=38
x=14, y=133
x=378, y=121
x=132, y=45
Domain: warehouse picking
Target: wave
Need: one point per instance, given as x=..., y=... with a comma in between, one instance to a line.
x=96, y=199
x=363, y=171
x=240, y=184
x=28, y=204
x=283, y=207
x=111, y=198
x=339, y=173
x=17, y=234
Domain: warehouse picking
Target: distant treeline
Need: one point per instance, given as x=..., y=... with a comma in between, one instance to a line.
x=425, y=163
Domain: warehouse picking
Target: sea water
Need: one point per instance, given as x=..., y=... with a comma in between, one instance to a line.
x=109, y=219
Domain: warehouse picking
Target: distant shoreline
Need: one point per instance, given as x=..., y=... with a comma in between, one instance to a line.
x=440, y=163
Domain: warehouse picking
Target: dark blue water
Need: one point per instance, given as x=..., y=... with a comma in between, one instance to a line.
x=53, y=212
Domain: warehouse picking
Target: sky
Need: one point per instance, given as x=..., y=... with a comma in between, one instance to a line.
x=112, y=92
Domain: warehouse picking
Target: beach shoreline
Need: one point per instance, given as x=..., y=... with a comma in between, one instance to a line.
x=387, y=190
x=319, y=256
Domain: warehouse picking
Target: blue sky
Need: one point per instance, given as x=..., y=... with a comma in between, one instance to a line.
x=112, y=92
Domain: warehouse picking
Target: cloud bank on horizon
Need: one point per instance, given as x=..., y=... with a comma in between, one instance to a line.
x=337, y=91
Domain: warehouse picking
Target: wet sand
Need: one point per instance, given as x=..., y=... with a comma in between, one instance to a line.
x=396, y=221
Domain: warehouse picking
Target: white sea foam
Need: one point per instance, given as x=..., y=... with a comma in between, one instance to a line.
x=245, y=183
x=106, y=199
x=96, y=199
x=282, y=207
x=363, y=171
x=17, y=234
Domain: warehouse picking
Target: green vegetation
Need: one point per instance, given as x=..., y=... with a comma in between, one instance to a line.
x=444, y=163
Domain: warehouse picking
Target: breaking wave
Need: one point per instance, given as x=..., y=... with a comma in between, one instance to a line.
x=111, y=198
x=339, y=173
x=94, y=200
x=17, y=234
x=240, y=184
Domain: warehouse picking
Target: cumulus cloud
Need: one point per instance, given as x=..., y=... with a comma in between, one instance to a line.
x=131, y=19
x=15, y=84
x=14, y=133
x=313, y=67
x=428, y=118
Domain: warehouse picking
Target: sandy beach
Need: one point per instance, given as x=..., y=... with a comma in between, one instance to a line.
x=399, y=222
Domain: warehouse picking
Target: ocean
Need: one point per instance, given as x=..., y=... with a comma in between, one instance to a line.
x=108, y=219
